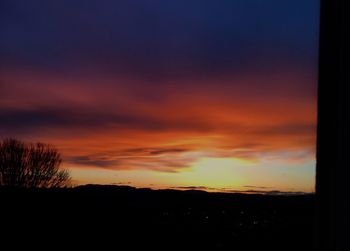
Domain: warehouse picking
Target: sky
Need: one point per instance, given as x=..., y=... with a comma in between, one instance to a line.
x=211, y=95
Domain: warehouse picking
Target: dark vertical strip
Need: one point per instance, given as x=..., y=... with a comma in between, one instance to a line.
x=332, y=178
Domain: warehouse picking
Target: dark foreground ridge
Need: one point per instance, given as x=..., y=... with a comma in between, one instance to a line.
x=123, y=218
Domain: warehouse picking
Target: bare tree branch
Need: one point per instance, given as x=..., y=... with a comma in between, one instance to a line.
x=31, y=165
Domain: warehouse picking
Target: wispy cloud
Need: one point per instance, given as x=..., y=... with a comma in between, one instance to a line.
x=258, y=187
x=156, y=159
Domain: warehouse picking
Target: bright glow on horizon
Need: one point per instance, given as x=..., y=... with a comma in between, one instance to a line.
x=212, y=174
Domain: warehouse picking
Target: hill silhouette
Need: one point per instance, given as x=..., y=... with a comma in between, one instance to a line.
x=112, y=217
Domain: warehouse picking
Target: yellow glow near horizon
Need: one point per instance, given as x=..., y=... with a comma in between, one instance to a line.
x=208, y=173
x=215, y=172
x=208, y=162
x=211, y=172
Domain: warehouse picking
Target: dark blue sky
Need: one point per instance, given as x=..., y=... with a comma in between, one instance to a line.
x=176, y=38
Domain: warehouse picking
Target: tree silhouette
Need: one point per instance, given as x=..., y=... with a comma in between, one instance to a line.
x=31, y=165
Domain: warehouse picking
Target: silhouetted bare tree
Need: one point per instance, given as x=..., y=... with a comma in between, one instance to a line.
x=31, y=165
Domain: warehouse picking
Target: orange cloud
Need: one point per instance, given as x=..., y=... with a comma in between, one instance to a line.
x=127, y=124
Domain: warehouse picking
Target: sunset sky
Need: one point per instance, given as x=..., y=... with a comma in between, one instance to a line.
x=213, y=95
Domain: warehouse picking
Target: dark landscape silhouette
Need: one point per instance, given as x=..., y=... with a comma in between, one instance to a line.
x=121, y=216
